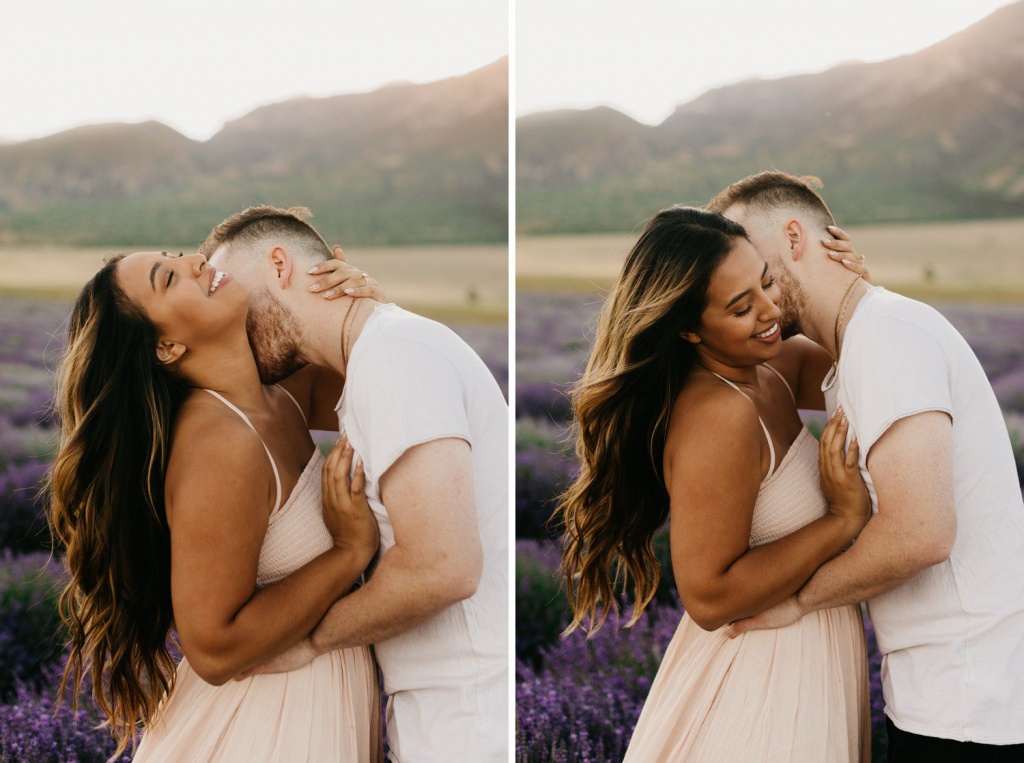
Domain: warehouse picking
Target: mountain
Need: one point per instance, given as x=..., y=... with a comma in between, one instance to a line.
x=403, y=164
x=938, y=134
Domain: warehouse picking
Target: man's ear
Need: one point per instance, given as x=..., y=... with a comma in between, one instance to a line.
x=282, y=262
x=796, y=234
x=168, y=351
x=689, y=336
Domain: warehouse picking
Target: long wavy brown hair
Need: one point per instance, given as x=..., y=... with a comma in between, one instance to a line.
x=115, y=406
x=622, y=406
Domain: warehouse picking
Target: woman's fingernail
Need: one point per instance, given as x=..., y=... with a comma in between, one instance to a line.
x=312, y=270
x=328, y=294
x=827, y=241
x=847, y=262
x=315, y=287
x=350, y=291
x=832, y=227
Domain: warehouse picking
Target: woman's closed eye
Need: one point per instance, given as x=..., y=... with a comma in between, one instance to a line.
x=170, y=275
x=750, y=304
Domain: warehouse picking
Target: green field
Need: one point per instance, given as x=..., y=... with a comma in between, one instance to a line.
x=448, y=283
x=949, y=261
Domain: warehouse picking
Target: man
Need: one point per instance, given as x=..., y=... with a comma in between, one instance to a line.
x=941, y=561
x=430, y=425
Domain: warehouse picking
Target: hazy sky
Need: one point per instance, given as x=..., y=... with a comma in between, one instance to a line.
x=644, y=57
x=193, y=64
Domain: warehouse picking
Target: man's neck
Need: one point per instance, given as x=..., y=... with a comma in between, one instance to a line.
x=322, y=323
x=826, y=305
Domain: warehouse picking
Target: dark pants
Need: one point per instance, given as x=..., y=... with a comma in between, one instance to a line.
x=905, y=747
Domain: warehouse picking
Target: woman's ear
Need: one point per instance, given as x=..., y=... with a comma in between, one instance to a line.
x=168, y=351
x=690, y=337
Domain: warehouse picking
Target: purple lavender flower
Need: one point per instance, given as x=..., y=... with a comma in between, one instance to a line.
x=31, y=639
x=22, y=524
x=31, y=731
x=541, y=475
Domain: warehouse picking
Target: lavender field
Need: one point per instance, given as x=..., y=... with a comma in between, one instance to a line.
x=31, y=653
x=579, y=700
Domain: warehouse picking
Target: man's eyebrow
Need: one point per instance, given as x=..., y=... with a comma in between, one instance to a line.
x=742, y=294
x=152, y=272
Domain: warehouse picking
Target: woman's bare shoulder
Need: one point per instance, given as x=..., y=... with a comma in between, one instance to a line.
x=208, y=438
x=707, y=410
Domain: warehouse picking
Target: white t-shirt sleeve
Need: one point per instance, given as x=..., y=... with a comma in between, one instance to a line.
x=407, y=393
x=893, y=369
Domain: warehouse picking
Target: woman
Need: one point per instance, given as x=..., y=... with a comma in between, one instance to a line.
x=187, y=496
x=688, y=411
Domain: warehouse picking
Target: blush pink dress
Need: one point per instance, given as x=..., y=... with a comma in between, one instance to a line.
x=797, y=694
x=328, y=710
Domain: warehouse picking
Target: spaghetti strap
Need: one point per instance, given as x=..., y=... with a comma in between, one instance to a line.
x=273, y=465
x=292, y=398
x=767, y=436
x=783, y=380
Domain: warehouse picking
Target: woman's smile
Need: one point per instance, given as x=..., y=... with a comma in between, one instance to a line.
x=216, y=278
x=769, y=335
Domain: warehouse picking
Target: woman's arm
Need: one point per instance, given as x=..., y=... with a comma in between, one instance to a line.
x=804, y=364
x=714, y=473
x=219, y=490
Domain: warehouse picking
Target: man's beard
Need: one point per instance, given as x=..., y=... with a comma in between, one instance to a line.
x=792, y=302
x=273, y=336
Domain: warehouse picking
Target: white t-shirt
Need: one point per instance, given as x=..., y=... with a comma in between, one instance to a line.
x=410, y=381
x=952, y=637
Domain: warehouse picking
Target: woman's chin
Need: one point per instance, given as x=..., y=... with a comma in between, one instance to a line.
x=761, y=351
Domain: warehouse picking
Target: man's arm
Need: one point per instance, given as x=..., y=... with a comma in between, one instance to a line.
x=437, y=558
x=911, y=466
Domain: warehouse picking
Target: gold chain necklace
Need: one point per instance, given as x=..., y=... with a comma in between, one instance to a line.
x=840, y=314
x=344, y=353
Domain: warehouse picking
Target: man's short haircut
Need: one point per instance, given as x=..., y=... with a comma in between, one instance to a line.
x=265, y=224
x=766, y=192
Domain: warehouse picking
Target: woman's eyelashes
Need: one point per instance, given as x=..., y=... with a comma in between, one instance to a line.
x=170, y=275
x=750, y=304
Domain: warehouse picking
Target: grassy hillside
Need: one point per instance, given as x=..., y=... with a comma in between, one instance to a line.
x=931, y=136
x=403, y=164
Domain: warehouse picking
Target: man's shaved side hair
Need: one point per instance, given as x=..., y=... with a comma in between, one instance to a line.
x=254, y=226
x=767, y=193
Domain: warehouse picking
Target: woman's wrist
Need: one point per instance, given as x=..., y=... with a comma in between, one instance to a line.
x=845, y=529
x=358, y=552
x=348, y=564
